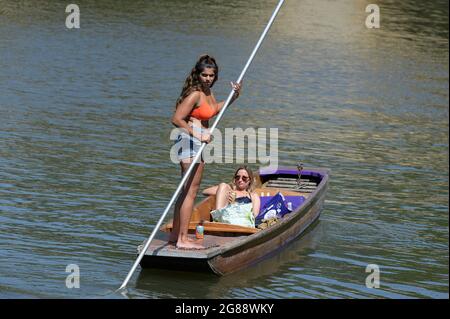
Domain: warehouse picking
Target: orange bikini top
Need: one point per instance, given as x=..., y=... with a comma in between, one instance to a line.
x=203, y=112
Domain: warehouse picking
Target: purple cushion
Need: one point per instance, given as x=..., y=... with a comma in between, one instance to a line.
x=277, y=206
x=295, y=200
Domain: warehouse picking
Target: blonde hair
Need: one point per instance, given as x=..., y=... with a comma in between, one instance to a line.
x=251, y=185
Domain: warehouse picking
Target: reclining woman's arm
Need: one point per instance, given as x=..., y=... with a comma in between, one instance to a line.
x=256, y=204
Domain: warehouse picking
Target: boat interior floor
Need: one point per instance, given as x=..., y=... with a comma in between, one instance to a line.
x=160, y=245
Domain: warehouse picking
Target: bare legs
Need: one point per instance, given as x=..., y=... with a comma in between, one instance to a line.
x=184, y=207
x=222, y=195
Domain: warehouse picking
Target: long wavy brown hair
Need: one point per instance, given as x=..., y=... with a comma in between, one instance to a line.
x=251, y=185
x=192, y=82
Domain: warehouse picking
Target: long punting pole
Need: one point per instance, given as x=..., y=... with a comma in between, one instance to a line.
x=197, y=157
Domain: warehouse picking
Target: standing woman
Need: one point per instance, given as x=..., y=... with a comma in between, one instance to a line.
x=194, y=108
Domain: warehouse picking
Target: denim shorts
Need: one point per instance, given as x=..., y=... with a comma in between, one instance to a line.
x=188, y=146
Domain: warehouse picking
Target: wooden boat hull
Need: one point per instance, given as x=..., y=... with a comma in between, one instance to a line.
x=231, y=254
x=258, y=248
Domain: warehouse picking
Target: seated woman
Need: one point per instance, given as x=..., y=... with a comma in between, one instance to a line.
x=239, y=191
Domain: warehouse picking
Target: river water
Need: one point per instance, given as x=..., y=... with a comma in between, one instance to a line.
x=85, y=115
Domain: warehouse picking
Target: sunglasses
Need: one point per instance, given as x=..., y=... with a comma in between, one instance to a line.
x=244, y=178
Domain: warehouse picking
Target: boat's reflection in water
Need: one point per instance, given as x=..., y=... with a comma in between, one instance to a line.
x=159, y=283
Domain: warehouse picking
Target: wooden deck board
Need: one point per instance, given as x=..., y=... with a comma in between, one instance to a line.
x=160, y=246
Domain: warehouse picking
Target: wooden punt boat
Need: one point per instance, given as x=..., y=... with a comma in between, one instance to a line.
x=232, y=247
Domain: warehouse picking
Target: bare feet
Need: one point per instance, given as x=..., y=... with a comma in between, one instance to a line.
x=174, y=241
x=189, y=244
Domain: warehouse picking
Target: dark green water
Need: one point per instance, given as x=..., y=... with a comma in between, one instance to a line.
x=84, y=141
